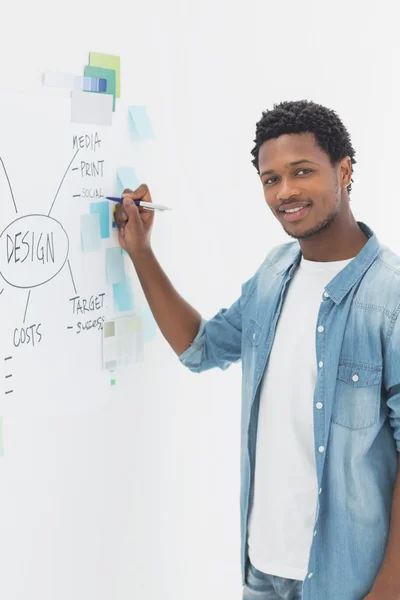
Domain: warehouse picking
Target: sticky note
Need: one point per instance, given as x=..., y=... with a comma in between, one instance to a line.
x=94, y=84
x=108, y=61
x=92, y=109
x=141, y=122
x=126, y=346
x=123, y=296
x=127, y=179
x=149, y=324
x=90, y=233
x=107, y=74
x=115, y=267
x=103, y=210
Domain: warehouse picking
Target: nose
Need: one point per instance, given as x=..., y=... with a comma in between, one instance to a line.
x=286, y=190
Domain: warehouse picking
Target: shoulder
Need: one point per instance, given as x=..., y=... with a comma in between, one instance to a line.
x=276, y=262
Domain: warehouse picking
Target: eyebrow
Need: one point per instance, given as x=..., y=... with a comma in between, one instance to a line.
x=292, y=164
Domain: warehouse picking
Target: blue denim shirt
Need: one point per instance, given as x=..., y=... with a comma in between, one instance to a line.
x=357, y=431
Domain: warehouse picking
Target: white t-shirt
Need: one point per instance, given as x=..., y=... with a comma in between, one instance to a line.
x=285, y=494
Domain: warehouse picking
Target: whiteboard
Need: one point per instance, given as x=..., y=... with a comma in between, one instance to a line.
x=54, y=297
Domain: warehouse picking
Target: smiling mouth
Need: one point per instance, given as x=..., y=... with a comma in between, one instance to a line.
x=295, y=214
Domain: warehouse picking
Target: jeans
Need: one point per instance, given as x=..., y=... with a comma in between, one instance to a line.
x=260, y=586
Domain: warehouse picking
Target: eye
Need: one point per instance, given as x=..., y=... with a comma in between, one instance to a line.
x=308, y=170
x=267, y=180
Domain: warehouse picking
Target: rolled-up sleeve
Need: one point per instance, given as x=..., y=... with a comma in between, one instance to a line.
x=218, y=342
x=392, y=380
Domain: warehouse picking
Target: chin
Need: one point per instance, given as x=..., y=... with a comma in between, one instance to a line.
x=303, y=232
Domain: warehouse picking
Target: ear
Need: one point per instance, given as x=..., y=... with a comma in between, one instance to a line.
x=346, y=171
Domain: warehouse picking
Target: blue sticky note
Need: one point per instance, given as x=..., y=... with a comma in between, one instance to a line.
x=94, y=84
x=115, y=267
x=127, y=179
x=123, y=296
x=149, y=324
x=90, y=233
x=103, y=210
x=141, y=122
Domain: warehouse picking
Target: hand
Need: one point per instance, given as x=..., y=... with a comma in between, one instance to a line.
x=134, y=223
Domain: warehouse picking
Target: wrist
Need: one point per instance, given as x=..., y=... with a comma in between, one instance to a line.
x=138, y=256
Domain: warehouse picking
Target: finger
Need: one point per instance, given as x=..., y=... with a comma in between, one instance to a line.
x=120, y=216
x=147, y=216
x=131, y=210
x=141, y=193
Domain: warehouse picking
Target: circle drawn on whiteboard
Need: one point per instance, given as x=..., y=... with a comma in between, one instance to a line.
x=33, y=250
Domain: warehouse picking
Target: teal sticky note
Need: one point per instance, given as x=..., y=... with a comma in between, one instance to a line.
x=90, y=233
x=108, y=74
x=115, y=267
x=149, y=324
x=103, y=210
x=141, y=122
x=123, y=296
x=127, y=179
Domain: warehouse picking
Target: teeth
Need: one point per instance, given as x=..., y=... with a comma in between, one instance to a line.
x=292, y=210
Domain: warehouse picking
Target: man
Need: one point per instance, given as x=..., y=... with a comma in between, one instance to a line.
x=317, y=329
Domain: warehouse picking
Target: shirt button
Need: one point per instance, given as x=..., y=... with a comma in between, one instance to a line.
x=355, y=377
x=321, y=328
x=309, y=575
x=319, y=405
x=315, y=532
x=321, y=449
x=254, y=336
x=320, y=490
x=320, y=364
x=326, y=294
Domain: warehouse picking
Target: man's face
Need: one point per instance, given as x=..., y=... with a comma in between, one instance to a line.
x=311, y=182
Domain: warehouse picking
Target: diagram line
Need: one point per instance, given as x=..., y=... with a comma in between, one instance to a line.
x=27, y=302
x=62, y=181
x=72, y=277
x=9, y=183
x=1, y=291
x=8, y=358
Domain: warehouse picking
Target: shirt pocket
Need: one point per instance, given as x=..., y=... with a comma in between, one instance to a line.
x=358, y=395
x=253, y=332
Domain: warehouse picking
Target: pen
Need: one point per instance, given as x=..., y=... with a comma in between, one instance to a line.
x=147, y=205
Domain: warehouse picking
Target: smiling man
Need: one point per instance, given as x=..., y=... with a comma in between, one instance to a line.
x=317, y=330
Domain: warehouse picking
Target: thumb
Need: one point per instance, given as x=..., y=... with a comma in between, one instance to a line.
x=132, y=211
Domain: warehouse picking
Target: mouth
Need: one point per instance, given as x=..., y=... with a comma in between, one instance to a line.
x=297, y=214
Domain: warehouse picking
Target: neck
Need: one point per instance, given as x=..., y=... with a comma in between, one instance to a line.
x=344, y=239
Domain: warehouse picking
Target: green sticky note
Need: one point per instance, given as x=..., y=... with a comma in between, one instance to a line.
x=108, y=61
x=108, y=74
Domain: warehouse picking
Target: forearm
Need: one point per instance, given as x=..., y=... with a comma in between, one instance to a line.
x=178, y=321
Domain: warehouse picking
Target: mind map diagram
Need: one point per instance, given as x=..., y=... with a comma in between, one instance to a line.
x=39, y=240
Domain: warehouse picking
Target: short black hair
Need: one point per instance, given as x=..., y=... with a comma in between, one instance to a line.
x=305, y=116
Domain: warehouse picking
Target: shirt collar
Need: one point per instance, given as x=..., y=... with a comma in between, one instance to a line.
x=342, y=283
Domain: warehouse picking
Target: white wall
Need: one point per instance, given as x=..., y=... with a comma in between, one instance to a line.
x=141, y=499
